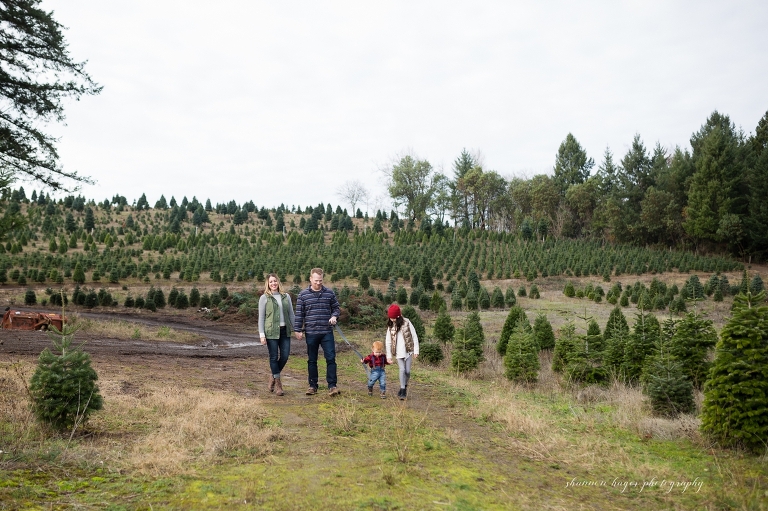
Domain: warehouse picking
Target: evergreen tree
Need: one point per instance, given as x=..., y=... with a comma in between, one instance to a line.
x=693, y=338
x=402, y=296
x=474, y=334
x=418, y=324
x=735, y=409
x=63, y=387
x=472, y=302
x=521, y=361
x=484, y=299
x=497, y=298
x=669, y=390
x=717, y=188
x=89, y=223
x=543, y=333
x=509, y=297
x=572, y=166
x=364, y=282
x=644, y=338
x=473, y=282
x=444, y=329
x=436, y=303
x=513, y=317
x=426, y=279
x=79, y=275
x=194, y=297
x=38, y=78
x=564, y=347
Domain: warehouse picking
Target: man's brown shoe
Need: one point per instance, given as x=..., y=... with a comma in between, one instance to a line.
x=279, y=387
x=334, y=391
x=271, y=383
x=311, y=391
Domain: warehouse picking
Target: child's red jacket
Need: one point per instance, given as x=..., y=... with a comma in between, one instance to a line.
x=375, y=361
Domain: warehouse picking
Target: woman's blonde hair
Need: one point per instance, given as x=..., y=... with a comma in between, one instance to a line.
x=279, y=284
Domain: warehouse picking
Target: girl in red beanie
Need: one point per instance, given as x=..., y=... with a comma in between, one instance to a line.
x=403, y=344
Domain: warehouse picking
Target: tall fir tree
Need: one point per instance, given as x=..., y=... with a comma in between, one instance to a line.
x=735, y=409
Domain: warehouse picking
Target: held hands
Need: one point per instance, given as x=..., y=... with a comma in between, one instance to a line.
x=263, y=340
x=299, y=335
x=389, y=360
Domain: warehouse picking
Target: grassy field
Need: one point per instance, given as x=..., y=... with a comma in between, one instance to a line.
x=205, y=434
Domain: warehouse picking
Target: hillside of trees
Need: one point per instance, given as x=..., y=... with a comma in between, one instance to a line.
x=79, y=241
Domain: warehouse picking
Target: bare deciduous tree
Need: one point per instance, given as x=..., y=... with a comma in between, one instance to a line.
x=354, y=193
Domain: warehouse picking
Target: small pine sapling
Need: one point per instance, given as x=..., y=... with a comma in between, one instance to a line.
x=521, y=361
x=444, y=329
x=63, y=387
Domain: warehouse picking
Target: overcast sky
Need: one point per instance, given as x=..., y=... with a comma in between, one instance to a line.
x=286, y=101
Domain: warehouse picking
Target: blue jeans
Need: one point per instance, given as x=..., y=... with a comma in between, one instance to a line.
x=279, y=351
x=377, y=373
x=328, y=343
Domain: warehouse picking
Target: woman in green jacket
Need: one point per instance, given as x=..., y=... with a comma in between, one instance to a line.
x=275, y=329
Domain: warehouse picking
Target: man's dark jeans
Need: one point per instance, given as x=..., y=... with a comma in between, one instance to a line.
x=328, y=343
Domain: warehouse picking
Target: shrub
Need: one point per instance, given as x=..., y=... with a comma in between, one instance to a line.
x=431, y=353
x=30, y=298
x=534, y=294
x=569, y=290
x=150, y=305
x=129, y=301
x=521, y=291
x=139, y=302
x=367, y=312
x=63, y=388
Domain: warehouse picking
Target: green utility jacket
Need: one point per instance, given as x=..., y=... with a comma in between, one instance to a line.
x=272, y=315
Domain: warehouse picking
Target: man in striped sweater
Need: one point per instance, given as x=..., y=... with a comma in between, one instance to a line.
x=317, y=311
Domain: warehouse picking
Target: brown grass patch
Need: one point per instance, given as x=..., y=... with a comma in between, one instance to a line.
x=195, y=425
x=125, y=330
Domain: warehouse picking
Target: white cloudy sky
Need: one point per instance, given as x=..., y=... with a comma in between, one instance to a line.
x=285, y=101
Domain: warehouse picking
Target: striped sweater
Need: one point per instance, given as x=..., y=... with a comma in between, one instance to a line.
x=314, y=309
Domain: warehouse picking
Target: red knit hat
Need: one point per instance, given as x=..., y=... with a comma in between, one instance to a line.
x=394, y=311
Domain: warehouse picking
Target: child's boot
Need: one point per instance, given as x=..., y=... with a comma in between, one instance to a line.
x=370, y=390
x=383, y=394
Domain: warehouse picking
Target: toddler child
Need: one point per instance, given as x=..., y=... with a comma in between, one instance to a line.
x=376, y=361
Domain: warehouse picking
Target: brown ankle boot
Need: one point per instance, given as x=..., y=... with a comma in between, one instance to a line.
x=279, y=387
x=271, y=383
